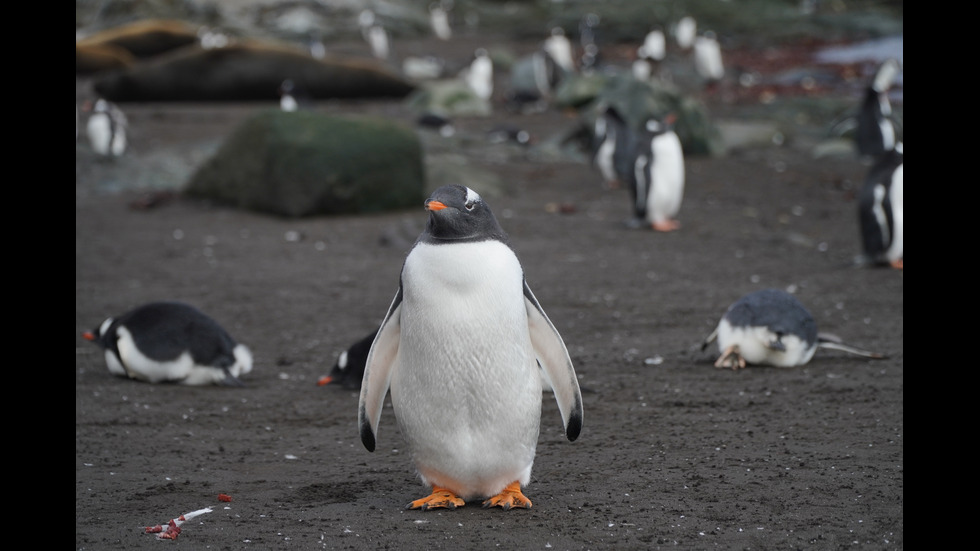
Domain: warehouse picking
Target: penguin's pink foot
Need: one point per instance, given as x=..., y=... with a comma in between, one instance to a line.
x=731, y=358
x=510, y=498
x=898, y=264
x=666, y=225
x=439, y=498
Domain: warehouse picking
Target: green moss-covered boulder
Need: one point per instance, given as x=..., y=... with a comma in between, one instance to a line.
x=302, y=163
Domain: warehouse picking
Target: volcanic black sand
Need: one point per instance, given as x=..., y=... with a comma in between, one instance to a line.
x=674, y=453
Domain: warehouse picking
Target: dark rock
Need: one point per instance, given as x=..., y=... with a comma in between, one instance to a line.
x=302, y=163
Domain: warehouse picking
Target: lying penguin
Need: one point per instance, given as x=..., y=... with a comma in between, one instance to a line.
x=771, y=327
x=171, y=342
x=349, y=368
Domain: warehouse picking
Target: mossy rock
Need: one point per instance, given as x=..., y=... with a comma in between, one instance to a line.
x=299, y=164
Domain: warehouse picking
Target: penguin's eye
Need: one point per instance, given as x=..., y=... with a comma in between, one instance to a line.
x=469, y=205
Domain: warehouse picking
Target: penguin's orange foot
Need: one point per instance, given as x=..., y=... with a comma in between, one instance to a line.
x=440, y=498
x=898, y=264
x=666, y=225
x=510, y=498
x=731, y=358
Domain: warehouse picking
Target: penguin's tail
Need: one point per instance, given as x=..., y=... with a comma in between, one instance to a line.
x=709, y=339
x=833, y=342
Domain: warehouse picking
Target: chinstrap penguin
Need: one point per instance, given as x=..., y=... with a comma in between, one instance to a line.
x=881, y=211
x=771, y=327
x=171, y=342
x=460, y=350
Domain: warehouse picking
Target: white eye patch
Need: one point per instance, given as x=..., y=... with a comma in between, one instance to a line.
x=472, y=196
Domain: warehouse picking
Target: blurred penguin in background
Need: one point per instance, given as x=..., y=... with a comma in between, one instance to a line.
x=106, y=129
x=374, y=34
x=439, y=19
x=881, y=211
x=876, y=132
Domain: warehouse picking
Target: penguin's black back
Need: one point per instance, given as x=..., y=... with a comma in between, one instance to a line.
x=778, y=310
x=874, y=241
x=165, y=330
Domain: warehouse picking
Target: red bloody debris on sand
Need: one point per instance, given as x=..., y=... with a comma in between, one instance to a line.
x=173, y=527
x=224, y=497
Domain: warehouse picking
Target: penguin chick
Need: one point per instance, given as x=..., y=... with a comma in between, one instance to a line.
x=171, y=342
x=771, y=327
x=348, y=371
x=459, y=350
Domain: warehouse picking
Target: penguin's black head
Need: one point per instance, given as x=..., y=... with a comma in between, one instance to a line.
x=457, y=213
x=103, y=335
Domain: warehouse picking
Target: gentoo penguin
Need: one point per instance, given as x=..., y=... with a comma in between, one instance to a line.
x=348, y=371
x=685, y=32
x=106, y=128
x=612, y=146
x=560, y=49
x=171, y=342
x=649, y=55
x=881, y=210
x=439, y=19
x=479, y=74
x=707, y=58
x=771, y=327
x=875, y=130
x=657, y=181
x=375, y=34
x=462, y=349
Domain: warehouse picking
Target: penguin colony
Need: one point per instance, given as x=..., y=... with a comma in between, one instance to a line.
x=462, y=292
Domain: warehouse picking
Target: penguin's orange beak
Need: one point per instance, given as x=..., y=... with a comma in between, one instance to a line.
x=88, y=335
x=326, y=380
x=434, y=205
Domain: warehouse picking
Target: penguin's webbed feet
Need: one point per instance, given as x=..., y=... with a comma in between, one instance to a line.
x=666, y=225
x=730, y=358
x=439, y=498
x=898, y=264
x=510, y=498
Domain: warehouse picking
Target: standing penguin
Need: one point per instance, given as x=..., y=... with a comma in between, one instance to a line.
x=439, y=19
x=171, y=342
x=876, y=133
x=462, y=350
x=771, y=327
x=657, y=181
x=106, y=128
x=612, y=147
x=478, y=75
x=881, y=210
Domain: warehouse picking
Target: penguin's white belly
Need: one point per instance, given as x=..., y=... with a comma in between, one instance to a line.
x=666, y=179
x=753, y=346
x=896, y=249
x=467, y=389
x=138, y=366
